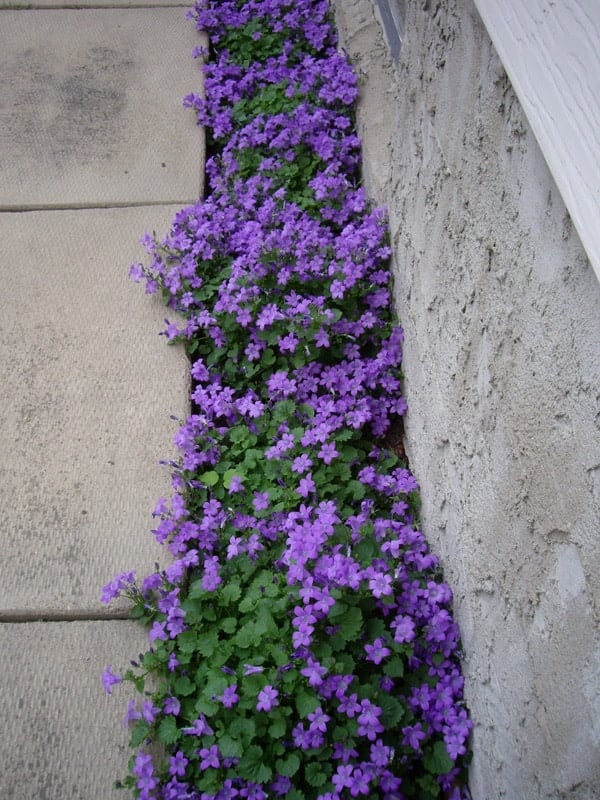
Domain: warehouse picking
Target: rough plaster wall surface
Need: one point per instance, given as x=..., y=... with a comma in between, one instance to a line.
x=502, y=374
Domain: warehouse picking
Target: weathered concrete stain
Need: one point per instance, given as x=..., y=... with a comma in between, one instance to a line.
x=69, y=111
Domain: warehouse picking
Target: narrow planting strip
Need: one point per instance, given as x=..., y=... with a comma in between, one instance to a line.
x=302, y=643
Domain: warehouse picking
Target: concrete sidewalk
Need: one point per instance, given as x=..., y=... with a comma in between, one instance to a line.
x=95, y=149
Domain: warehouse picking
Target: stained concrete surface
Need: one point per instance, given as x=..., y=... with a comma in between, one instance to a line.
x=501, y=312
x=91, y=107
x=91, y=127
x=62, y=738
x=89, y=387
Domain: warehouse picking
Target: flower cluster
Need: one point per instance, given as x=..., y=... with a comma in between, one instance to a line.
x=302, y=642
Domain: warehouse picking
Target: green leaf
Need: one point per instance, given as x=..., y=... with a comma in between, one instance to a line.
x=288, y=766
x=437, y=760
x=205, y=706
x=187, y=641
x=230, y=747
x=229, y=624
x=210, y=478
x=350, y=623
x=306, y=703
x=230, y=474
x=206, y=643
x=184, y=686
x=243, y=729
x=139, y=733
x=168, y=732
x=230, y=593
x=393, y=710
x=356, y=490
x=295, y=794
x=246, y=636
x=365, y=551
x=196, y=590
x=317, y=774
x=337, y=610
x=252, y=767
x=394, y=667
x=278, y=726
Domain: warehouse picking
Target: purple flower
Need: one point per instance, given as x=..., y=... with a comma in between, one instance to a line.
x=109, y=679
x=328, y=452
x=261, y=501
x=380, y=584
x=267, y=699
x=377, y=651
x=199, y=728
x=314, y=671
x=381, y=755
x=119, y=584
x=413, y=736
x=301, y=463
x=230, y=696
x=177, y=764
x=209, y=757
x=318, y=720
x=171, y=706
x=368, y=720
x=404, y=629
x=236, y=485
x=281, y=785
x=250, y=669
x=306, y=486
x=343, y=777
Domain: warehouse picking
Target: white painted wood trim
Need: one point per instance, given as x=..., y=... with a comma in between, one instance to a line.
x=551, y=52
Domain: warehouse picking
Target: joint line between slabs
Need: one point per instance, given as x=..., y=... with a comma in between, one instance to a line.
x=18, y=617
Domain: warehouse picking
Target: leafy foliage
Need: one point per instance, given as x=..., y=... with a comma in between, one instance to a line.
x=302, y=644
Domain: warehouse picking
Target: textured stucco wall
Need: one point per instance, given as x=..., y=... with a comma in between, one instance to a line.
x=502, y=362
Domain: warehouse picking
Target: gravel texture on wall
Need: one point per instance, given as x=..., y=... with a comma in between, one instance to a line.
x=502, y=374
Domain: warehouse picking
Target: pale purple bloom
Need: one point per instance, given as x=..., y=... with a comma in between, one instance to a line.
x=110, y=679
x=267, y=699
x=377, y=651
x=177, y=764
x=230, y=696
x=209, y=757
x=306, y=486
x=171, y=705
x=250, y=669
x=199, y=728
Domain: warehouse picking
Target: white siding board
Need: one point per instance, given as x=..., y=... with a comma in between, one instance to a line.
x=551, y=52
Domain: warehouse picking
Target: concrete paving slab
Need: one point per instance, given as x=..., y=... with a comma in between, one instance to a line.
x=13, y=4
x=91, y=107
x=87, y=389
x=62, y=737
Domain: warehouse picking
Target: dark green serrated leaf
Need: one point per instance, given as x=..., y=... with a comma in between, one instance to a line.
x=288, y=766
x=187, y=641
x=394, y=667
x=392, y=709
x=230, y=593
x=206, y=643
x=168, y=732
x=278, y=726
x=437, y=760
x=317, y=774
x=139, y=733
x=228, y=625
x=350, y=623
x=230, y=747
x=210, y=478
x=306, y=703
x=183, y=686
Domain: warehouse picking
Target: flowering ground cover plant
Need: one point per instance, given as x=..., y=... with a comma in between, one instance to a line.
x=301, y=639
